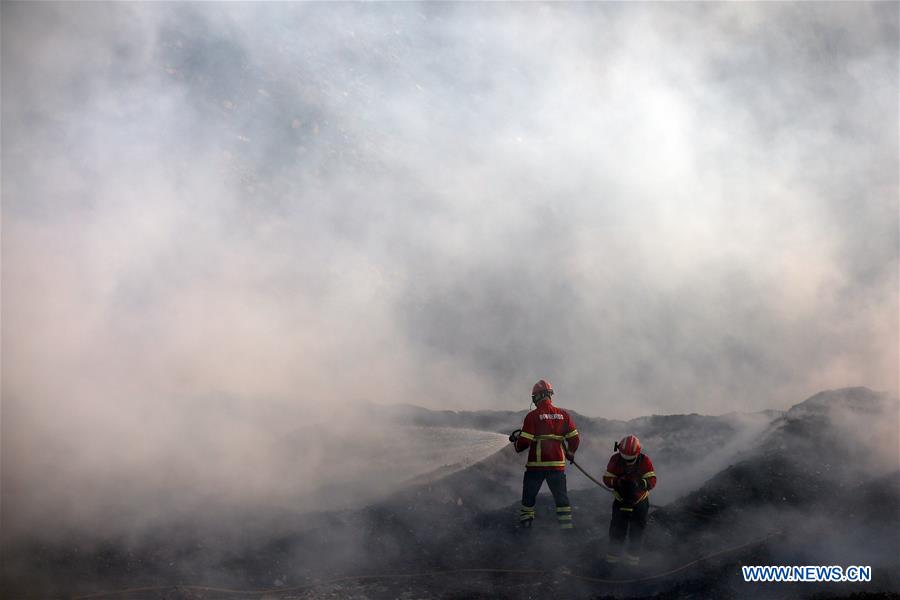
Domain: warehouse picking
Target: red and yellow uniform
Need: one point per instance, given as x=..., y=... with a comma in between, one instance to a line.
x=631, y=476
x=641, y=472
x=543, y=433
x=546, y=433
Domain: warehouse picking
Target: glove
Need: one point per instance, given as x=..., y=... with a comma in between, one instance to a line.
x=627, y=486
x=514, y=436
x=570, y=456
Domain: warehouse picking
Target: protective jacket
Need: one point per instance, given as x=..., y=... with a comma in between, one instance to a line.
x=640, y=472
x=543, y=433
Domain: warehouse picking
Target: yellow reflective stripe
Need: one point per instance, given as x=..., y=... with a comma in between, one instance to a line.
x=566, y=526
x=648, y=474
x=638, y=501
x=612, y=558
x=526, y=435
x=622, y=508
x=608, y=474
x=563, y=517
x=539, y=451
x=547, y=463
x=564, y=509
x=572, y=433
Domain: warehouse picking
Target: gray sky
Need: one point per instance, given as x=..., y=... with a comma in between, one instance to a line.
x=662, y=208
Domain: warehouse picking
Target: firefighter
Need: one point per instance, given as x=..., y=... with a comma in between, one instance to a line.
x=550, y=436
x=630, y=475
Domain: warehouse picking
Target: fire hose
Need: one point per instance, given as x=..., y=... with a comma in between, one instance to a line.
x=571, y=458
x=309, y=587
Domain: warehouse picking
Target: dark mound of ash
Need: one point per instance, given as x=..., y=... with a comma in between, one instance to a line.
x=825, y=477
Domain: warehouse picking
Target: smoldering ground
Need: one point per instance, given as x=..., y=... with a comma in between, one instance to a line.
x=825, y=476
x=776, y=505
x=223, y=224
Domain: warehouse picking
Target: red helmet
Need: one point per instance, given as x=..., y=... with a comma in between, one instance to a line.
x=542, y=387
x=629, y=447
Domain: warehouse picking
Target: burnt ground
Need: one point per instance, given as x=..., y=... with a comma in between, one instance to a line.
x=383, y=545
x=456, y=537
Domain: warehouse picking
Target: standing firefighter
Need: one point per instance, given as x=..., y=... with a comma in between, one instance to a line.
x=630, y=474
x=550, y=436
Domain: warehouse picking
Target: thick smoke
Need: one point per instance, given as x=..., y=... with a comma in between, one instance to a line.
x=227, y=223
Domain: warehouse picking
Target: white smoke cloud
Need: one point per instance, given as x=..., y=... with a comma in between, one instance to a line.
x=221, y=221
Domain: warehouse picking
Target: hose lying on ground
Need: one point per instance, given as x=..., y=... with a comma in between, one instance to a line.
x=535, y=572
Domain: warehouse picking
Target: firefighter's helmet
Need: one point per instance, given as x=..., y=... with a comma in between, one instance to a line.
x=541, y=388
x=629, y=448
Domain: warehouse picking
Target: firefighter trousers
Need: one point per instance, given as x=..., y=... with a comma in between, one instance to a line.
x=627, y=521
x=556, y=481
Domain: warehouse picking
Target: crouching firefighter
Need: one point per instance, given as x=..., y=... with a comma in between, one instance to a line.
x=630, y=475
x=550, y=436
